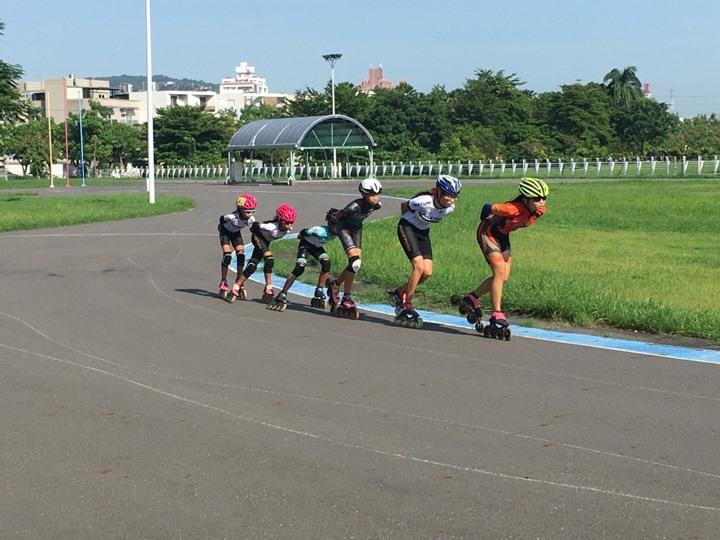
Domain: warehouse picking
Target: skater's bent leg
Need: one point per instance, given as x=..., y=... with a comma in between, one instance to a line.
x=288, y=283
x=422, y=270
x=348, y=275
x=225, y=264
x=501, y=273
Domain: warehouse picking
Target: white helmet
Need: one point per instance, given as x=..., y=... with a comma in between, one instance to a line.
x=370, y=185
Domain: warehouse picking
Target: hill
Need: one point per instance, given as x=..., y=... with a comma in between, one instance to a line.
x=162, y=82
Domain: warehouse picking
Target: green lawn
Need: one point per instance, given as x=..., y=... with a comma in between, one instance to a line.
x=632, y=254
x=26, y=210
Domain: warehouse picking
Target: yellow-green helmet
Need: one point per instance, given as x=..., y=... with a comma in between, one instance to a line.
x=533, y=187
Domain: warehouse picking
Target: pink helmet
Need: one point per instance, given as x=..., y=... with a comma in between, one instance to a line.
x=246, y=202
x=286, y=213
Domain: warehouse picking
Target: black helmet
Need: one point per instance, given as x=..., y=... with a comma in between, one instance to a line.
x=330, y=216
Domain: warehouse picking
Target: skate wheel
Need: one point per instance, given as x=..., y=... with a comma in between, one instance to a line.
x=507, y=334
x=419, y=323
x=479, y=327
x=487, y=331
x=471, y=318
x=242, y=294
x=455, y=299
x=231, y=298
x=222, y=295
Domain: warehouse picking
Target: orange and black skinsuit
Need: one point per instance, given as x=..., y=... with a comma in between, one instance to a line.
x=493, y=234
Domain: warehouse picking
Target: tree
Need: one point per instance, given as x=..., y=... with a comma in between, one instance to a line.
x=495, y=102
x=624, y=86
x=579, y=118
x=699, y=136
x=250, y=113
x=350, y=101
x=645, y=122
x=309, y=102
x=401, y=122
x=13, y=108
x=28, y=144
x=191, y=136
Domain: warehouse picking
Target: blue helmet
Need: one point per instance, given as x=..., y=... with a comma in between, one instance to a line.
x=449, y=184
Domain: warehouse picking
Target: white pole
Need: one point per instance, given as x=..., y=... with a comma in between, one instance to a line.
x=150, y=110
x=331, y=59
x=332, y=71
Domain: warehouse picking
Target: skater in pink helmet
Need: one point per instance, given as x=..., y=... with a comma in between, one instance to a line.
x=262, y=235
x=230, y=231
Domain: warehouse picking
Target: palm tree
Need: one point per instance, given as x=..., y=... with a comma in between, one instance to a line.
x=624, y=86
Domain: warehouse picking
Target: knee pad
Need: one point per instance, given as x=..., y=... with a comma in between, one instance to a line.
x=227, y=258
x=325, y=264
x=250, y=268
x=299, y=268
x=354, y=264
x=269, y=263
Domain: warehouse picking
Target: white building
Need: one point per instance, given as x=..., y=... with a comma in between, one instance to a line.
x=61, y=96
x=245, y=88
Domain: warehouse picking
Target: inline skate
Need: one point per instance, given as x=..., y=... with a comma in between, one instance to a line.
x=237, y=291
x=333, y=292
x=497, y=327
x=347, y=308
x=268, y=295
x=408, y=317
x=279, y=303
x=224, y=289
x=469, y=306
x=397, y=299
x=319, y=300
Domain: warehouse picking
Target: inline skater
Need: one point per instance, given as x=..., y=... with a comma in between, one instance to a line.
x=312, y=244
x=349, y=229
x=262, y=235
x=493, y=236
x=413, y=232
x=230, y=231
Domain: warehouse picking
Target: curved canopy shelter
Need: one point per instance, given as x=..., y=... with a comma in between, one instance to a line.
x=305, y=134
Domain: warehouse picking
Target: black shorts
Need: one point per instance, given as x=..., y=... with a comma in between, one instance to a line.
x=260, y=244
x=229, y=238
x=414, y=241
x=350, y=238
x=306, y=249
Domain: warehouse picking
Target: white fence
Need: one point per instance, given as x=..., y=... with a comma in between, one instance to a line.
x=609, y=167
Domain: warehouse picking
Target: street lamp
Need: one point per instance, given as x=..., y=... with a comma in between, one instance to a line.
x=331, y=59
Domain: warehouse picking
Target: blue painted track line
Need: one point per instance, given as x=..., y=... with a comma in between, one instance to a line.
x=623, y=345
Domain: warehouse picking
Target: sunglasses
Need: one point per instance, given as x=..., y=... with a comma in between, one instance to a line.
x=538, y=199
x=249, y=211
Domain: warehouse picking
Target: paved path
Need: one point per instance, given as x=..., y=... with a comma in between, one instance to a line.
x=135, y=404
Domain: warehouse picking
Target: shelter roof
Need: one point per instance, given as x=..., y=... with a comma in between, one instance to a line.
x=304, y=133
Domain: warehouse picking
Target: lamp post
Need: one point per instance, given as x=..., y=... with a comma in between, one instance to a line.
x=331, y=59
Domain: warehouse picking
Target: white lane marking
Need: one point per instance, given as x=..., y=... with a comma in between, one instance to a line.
x=397, y=455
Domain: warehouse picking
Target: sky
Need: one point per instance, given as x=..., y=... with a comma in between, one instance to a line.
x=545, y=43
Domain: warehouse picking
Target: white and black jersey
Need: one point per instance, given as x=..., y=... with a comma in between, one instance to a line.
x=422, y=211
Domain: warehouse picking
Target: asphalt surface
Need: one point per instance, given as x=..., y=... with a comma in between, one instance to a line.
x=136, y=404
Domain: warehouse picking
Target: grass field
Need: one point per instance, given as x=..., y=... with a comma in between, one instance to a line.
x=26, y=210
x=633, y=254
